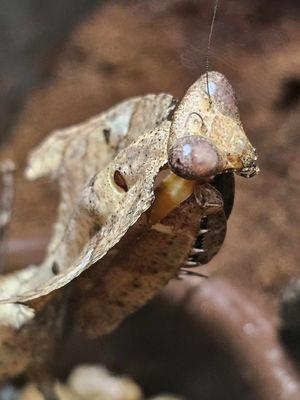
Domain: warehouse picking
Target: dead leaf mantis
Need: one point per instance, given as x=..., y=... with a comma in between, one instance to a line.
x=146, y=188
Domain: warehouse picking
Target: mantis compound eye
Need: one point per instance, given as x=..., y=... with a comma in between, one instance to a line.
x=193, y=157
x=222, y=94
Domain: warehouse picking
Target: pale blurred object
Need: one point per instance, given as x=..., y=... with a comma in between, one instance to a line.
x=30, y=392
x=92, y=382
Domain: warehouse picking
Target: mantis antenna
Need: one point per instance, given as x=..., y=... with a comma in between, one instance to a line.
x=209, y=44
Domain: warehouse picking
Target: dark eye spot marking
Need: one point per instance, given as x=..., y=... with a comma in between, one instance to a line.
x=120, y=181
x=106, y=133
x=55, y=268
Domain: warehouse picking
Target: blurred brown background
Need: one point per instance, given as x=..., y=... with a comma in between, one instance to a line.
x=64, y=61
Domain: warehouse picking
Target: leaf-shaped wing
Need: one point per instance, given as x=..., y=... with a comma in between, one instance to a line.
x=94, y=211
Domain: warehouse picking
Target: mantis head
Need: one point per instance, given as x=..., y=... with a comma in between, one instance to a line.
x=207, y=137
